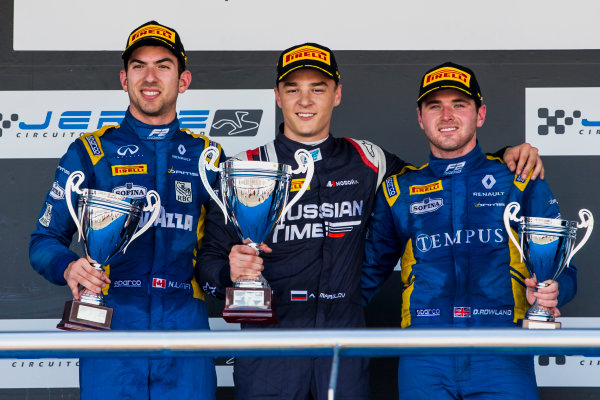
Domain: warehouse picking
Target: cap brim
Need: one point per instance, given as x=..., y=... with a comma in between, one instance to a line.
x=433, y=89
x=148, y=41
x=304, y=66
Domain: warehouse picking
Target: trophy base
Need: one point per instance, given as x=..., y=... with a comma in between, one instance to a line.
x=253, y=306
x=533, y=324
x=79, y=316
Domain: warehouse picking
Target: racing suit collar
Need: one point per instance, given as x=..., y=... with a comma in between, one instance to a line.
x=454, y=166
x=291, y=145
x=149, y=132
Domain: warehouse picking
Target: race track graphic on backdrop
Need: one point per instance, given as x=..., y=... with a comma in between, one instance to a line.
x=42, y=124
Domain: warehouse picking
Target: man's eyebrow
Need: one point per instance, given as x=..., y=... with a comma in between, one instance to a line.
x=292, y=83
x=162, y=60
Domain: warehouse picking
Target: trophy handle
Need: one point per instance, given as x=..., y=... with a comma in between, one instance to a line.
x=587, y=221
x=153, y=206
x=510, y=214
x=210, y=152
x=305, y=164
x=73, y=182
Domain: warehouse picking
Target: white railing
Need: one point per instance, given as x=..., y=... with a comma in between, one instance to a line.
x=278, y=343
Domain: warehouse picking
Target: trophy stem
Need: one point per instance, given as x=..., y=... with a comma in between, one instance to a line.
x=89, y=297
x=540, y=313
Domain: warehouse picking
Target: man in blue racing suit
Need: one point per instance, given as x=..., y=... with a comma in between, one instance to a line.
x=152, y=286
x=314, y=267
x=444, y=221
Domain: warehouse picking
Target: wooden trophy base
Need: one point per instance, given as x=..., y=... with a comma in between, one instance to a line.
x=79, y=316
x=533, y=324
x=249, y=305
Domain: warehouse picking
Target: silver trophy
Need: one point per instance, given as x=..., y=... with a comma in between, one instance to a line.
x=108, y=223
x=547, y=246
x=254, y=197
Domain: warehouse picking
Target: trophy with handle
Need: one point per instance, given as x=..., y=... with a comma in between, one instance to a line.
x=547, y=246
x=108, y=223
x=254, y=198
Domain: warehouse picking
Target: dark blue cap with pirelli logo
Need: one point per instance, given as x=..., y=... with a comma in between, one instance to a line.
x=450, y=76
x=307, y=55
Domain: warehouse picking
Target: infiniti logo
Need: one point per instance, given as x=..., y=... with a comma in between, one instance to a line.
x=130, y=149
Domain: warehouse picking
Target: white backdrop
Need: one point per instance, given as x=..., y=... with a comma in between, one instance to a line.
x=340, y=24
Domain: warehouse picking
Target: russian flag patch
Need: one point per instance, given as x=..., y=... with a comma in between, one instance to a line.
x=299, y=295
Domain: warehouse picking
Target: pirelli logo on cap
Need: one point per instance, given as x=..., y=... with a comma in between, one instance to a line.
x=296, y=185
x=306, y=53
x=447, y=74
x=152, y=30
x=129, y=169
x=430, y=187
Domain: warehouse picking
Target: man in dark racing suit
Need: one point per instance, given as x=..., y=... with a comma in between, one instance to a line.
x=152, y=286
x=316, y=259
x=445, y=222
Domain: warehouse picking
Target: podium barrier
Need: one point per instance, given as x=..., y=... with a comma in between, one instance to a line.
x=279, y=343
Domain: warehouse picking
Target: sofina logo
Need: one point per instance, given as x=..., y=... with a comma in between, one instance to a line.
x=426, y=206
x=130, y=190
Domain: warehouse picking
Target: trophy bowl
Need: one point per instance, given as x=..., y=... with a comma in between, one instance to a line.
x=108, y=223
x=546, y=245
x=254, y=197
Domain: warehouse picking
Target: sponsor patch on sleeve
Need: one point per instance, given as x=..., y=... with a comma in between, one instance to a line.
x=57, y=192
x=521, y=183
x=47, y=217
x=391, y=190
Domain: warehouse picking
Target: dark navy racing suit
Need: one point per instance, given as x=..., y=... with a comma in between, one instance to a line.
x=315, y=265
x=152, y=285
x=458, y=268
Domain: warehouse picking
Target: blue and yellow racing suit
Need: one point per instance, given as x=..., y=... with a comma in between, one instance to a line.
x=152, y=285
x=444, y=222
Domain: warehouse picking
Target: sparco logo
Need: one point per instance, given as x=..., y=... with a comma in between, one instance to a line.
x=130, y=190
x=427, y=205
x=128, y=283
x=236, y=123
x=426, y=242
x=93, y=145
x=428, y=312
